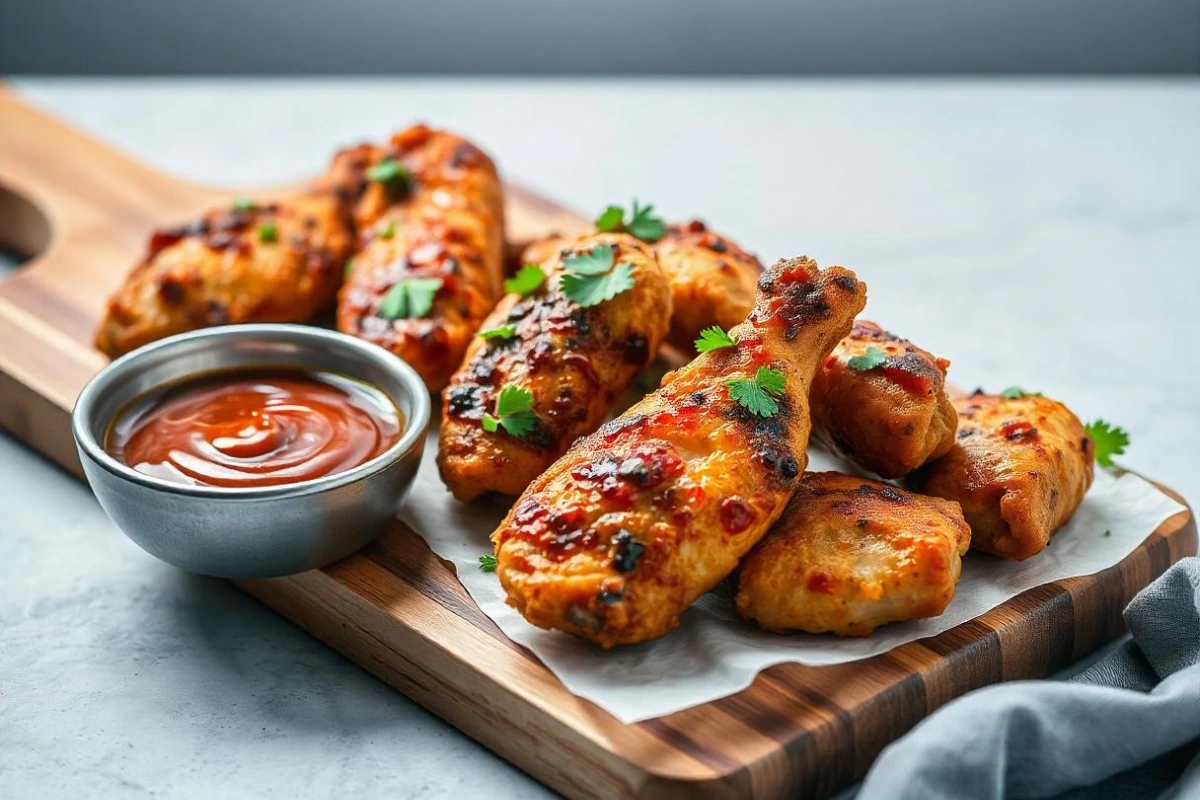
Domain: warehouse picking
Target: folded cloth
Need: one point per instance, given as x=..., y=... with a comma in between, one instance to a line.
x=1126, y=727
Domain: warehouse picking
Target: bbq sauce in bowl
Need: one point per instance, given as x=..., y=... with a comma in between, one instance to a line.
x=244, y=429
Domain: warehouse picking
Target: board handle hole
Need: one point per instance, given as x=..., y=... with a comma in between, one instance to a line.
x=24, y=230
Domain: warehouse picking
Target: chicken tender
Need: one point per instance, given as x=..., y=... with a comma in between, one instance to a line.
x=574, y=361
x=265, y=262
x=886, y=410
x=430, y=258
x=1019, y=469
x=851, y=554
x=616, y=539
x=712, y=278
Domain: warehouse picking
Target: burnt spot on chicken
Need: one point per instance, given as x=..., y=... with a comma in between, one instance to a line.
x=636, y=349
x=466, y=401
x=627, y=551
x=171, y=289
x=846, y=282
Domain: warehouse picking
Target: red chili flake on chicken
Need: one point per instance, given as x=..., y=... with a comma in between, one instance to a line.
x=1019, y=431
x=736, y=515
x=820, y=582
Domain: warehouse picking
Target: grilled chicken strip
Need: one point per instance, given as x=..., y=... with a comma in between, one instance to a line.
x=888, y=418
x=851, y=554
x=575, y=361
x=1019, y=469
x=637, y=520
x=712, y=278
x=430, y=220
x=268, y=262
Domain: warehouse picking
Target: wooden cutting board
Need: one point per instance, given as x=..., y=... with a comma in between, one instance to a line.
x=398, y=610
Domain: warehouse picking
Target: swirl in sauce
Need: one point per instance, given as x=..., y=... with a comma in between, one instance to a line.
x=242, y=429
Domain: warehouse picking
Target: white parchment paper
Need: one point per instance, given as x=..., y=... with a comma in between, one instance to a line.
x=714, y=652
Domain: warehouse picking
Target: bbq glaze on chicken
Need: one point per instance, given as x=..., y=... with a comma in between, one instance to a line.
x=637, y=520
x=430, y=220
x=885, y=409
x=247, y=262
x=1019, y=469
x=851, y=554
x=575, y=361
x=712, y=278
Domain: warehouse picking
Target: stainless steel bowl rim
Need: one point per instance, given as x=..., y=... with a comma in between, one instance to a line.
x=414, y=429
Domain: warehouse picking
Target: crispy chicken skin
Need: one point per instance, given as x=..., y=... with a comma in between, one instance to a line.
x=851, y=554
x=1019, y=469
x=275, y=262
x=888, y=420
x=637, y=520
x=575, y=361
x=712, y=278
x=445, y=221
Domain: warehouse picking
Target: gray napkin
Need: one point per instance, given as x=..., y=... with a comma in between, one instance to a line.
x=1126, y=727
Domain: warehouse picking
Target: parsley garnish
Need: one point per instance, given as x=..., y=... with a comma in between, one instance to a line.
x=268, y=232
x=590, y=278
x=503, y=332
x=1109, y=440
x=487, y=563
x=527, y=279
x=642, y=223
x=392, y=174
x=714, y=338
x=514, y=412
x=872, y=358
x=243, y=205
x=1016, y=393
x=755, y=394
x=411, y=297
x=387, y=231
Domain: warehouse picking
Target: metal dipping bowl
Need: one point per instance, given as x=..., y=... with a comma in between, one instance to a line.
x=251, y=532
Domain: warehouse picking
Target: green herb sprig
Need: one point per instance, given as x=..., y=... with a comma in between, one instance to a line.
x=514, y=412
x=642, y=222
x=714, y=338
x=1109, y=441
x=591, y=278
x=757, y=395
x=409, y=298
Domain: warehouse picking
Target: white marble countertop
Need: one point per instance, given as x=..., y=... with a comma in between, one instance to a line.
x=1044, y=233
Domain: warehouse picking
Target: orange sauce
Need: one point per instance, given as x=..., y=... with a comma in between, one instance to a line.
x=252, y=428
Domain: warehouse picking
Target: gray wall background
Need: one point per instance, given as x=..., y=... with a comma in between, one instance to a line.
x=607, y=37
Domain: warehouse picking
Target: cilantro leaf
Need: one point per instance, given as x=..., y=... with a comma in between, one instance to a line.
x=872, y=358
x=714, y=338
x=268, y=232
x=644, y=226
x=487, y=563
x=1016, y=393
x=610, y=219
x=527, y=279
x=771, y=380
x=411, y=297
x=754, y=394
x=244, y=204
x=514, y=412
x=503, y=332
x=590, y=278
x=1109, y=440
x=386, y=231
x=348, y=267
x=392, y=174
x=588, y=291
x=642, y=222
x=596, y=261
